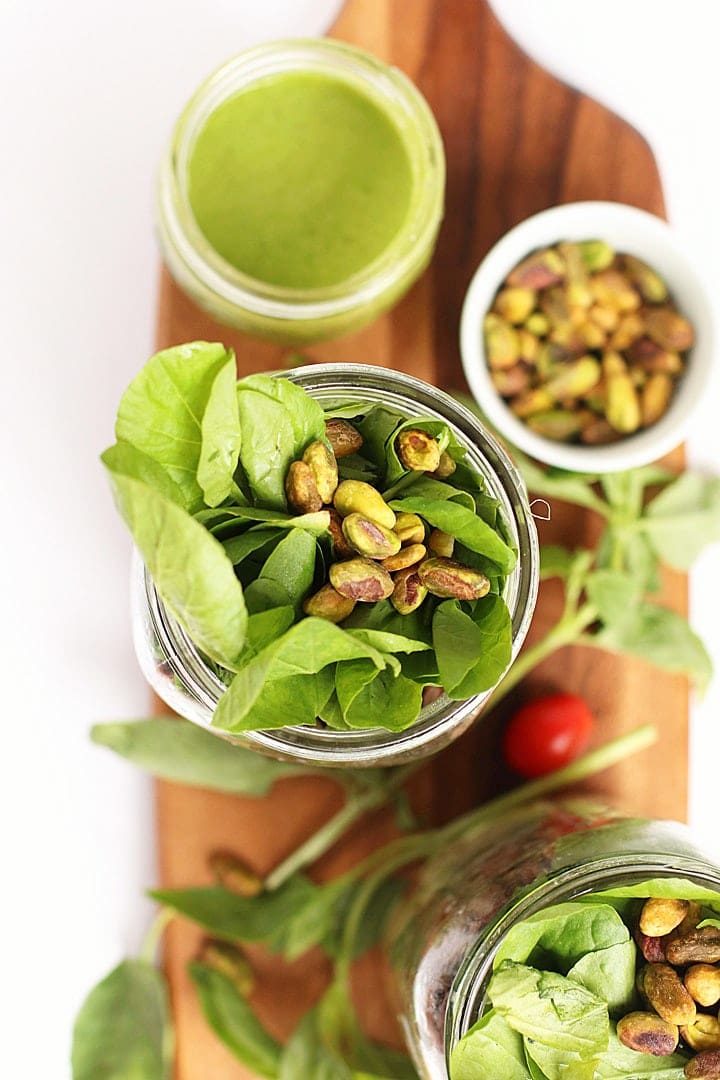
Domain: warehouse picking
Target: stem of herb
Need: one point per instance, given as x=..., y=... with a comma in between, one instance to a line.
x=152, y=939
x=327, y=836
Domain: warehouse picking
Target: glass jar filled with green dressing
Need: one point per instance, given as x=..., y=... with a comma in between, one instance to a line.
x=302, y=191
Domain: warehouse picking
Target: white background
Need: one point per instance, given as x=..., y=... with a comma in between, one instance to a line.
x=88, y=94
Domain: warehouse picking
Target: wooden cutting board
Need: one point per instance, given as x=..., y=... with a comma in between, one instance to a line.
x=517, y=140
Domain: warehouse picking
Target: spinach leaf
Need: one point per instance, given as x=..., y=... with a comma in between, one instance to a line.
x=461, y=523
x=191, y=572
x=557, y=1063
x=672, y=888
x=220, y=437
x=490, y=1050
x=492, y=619
x=292, y=565
x=376, y=428
x=306, y=414
x=234, y=1022
x=161, y=412
x=123, y=1028
x=664, y=638
x=341, y=1034
x=241, y=918
x=266, y=626
x=620, y=1063
x=551, y=1010
x=177, y=750
x=238, y=548
x=290, y=701
x=561, y=935
x=425, y=487
x=458, y=642
x=263, y=595
x=386, y=641
x=372, y=698
x=126, y=460
x=683, y=519
x=609, y=974
x=317, y=523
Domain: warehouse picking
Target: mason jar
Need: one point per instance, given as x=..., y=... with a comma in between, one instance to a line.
x=497, y=874
x=183, y=678
x=294, y=315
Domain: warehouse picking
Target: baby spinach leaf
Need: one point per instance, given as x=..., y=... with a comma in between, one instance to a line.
x=220, y=437
x=241, y=918
x=609, y=974
x=664, y=638
x=234, y=1022
x=294, y=700
x=268, y=446
x=490, y=1050
x=180, y=751
x=240, y=547
x=683, y=519
x=266, y=626
x=189, y=568
x=492, y=619
x=458, y=642
x=561, y=935
x=620, y=1063
x=264, y=595
x=316, y=523
x=557, y=1063
x=292, y=564
x=668, y=888
x=306, y=414
x=126, y=460
x=465, y=526
x=123, y=1028
x=551, y=1009
x=386, y=641
x=161, y=412
x=372, y=698
x=376, y=428
x=424, y=487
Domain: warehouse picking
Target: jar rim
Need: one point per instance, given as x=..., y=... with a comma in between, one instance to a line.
x=442, y=720
x=387, y=86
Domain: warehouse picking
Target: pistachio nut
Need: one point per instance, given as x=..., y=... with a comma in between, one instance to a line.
x=592, y=335
x=703, y=1033
x=417, y=450
x=530, y=402
x=575, y=379
x=514, y=304
x=441, y=543
x=558, y=424
x=301, y=489
x=629, y=328
x=655, y=397
x=323, y=465
x=230, y=961
x=366, y=537
x=704, y=1066
x=613, y=363
x=605, y=318
x=234, y=874
x=361, y=579
x=664, y=990
x=408, y=591
x=357, y=497
x=407, y=556
x=328, y=604
x=648, y=1034
x=529, y=346
x=409, y=528
x=511, y=381
x=567, y=336
x=554, y=303
x=652, y=948
x=623, y=404
x=537, y=271
x=612, y=289
x=669, y=330
x=659, y=915
x=597, y=432
x=650, y=285
x=340, y=547
x=502, y=343
x=538, y=324
x=695, y=947
x=596, y=255
x=575, y=269
x=343, y=437
x=702, y=981
x=447, y=578
x=654, y=360
x=446, y=466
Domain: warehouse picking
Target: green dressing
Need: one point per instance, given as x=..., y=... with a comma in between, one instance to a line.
x=301, y=180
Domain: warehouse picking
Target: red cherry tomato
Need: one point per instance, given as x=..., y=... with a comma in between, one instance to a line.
x=546, y=734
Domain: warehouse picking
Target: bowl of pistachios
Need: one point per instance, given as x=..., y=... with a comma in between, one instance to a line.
x=586, y=337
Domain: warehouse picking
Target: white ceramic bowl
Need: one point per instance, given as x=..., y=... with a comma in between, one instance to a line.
x=627, y=230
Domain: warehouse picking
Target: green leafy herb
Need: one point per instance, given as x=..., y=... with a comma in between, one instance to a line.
x=220, y=437
x=234, y=1022
x=464, y=525
x=491, y=1049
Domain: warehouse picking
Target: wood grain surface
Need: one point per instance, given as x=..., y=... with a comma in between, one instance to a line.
x=517, y=140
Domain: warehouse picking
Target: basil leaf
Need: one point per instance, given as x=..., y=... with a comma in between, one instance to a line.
x=609, y=974
x=615, y=594
x=464, y=525
x=292, y=565
x=220, y=437
x=561, y=935
x=306, y=414
x=555, y=561
x=490, y=1049
x=620, y=1063
x=240, y=918
x=315, y=922
x=183, y=752
x=126, y=460
x=306, y=1055
x=161, y=412
x=662, y=637
x=190, y=570
x=683, y=519
x=234, y=1022
x=123, y=1027
x=551, y=1010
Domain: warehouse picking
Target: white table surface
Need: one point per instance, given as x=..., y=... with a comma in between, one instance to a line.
x=88, y=93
